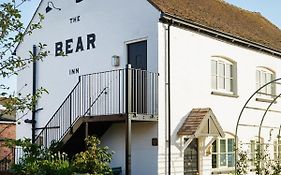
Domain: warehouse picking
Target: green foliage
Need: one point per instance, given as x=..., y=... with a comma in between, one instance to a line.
x=95, y=160
x=12, y=33
x=38, y=160
x=263, y=163
x=242, y=163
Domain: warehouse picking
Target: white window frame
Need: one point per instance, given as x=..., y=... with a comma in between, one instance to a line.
x=263, y=76
x=253, y=150
x=219, y=75
x=277, y=149
x=227, y=152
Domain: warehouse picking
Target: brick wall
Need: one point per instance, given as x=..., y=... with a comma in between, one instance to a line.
x=7, y=130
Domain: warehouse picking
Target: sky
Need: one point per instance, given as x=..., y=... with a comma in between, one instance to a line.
x=268, y=8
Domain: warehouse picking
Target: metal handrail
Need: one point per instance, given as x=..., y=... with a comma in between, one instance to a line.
x=88, y=97
x=59, y=108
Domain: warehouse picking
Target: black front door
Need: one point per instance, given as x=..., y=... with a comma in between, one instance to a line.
x=137, y=58
x=137, y=55
x=191, y=158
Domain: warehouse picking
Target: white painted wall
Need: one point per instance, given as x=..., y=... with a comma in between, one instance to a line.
x=114, y=23
x=191, y=87
x=144, y=155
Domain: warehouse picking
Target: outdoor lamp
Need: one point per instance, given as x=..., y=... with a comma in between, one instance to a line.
x=51, y=6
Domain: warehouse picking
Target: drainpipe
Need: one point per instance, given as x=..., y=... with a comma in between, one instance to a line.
x=168, y=84
x=33, y=121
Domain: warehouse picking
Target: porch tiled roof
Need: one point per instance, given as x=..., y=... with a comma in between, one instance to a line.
x=192, y=122
x=224, y=17
x=201, y=122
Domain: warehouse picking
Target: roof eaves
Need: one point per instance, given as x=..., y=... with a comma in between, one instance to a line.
x=257, y=46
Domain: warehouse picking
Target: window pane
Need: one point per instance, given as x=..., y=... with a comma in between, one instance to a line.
x=221, y=83
x=228, y=83
x=263, y=78
x=214, y=82
x=214, y=161
x=231, y=71
x=263, y=81
x=231, y=85
x=269, y=89
x=222, y=159
x=230, y=160
x=221, y=69
x=228, y=71
x=269, y=77
x=230, y=145
x=222, y=146
x=214, y=67
x=258, y=79
x=214, y=147
x=275, y=150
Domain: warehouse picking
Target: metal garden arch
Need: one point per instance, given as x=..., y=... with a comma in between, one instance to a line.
x=258, y=91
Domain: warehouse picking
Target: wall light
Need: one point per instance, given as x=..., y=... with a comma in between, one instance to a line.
x=115, y=60
x=51, y=6
x=77, y=1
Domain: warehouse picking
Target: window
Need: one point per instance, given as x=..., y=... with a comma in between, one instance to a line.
x=255, y=147
x=263, y=76
x=277, y=149
x=223, y=75
x=223, y=153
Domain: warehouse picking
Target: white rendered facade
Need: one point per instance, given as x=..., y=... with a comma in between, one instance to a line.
x=117, y=24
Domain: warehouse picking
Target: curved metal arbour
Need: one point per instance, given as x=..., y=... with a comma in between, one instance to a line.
x=268, y=109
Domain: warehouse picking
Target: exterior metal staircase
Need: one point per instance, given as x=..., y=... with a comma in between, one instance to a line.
x=103, y=96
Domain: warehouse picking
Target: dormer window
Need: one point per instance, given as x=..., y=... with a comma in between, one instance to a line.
x=223, y=75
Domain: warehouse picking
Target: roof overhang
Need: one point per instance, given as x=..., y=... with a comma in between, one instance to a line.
x=180, y=22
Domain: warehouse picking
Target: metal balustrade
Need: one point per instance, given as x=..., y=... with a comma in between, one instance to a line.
x=103, y=94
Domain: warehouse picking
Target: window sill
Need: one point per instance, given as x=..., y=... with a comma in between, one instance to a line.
x=265, y=100
x=224, y=94
x=223, y=170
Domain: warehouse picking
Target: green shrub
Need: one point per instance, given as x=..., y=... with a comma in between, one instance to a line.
x=95, y=160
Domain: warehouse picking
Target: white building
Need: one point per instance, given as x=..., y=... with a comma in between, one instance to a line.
x=192, y=66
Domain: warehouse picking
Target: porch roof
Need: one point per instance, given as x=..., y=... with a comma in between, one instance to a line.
x=201, y=122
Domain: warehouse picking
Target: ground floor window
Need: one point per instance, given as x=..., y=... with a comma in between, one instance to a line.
x=256, y=147
x=277, y=149
x=223, y=153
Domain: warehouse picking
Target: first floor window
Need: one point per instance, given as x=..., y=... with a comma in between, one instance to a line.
x=263, y=76
x=222, y=75
x=223, y=153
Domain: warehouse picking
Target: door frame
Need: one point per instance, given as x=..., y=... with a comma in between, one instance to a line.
x=126, y=43
x=198, y=156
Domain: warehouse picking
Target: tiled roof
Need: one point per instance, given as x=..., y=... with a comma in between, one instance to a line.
x=224, y=17
x=192, y=122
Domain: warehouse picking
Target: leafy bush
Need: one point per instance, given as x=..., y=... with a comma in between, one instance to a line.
x=95, y=160
x=38, y=160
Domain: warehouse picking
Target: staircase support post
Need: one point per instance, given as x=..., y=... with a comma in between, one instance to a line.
x=128, y=119
x=86, y=129
x=128, y=145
